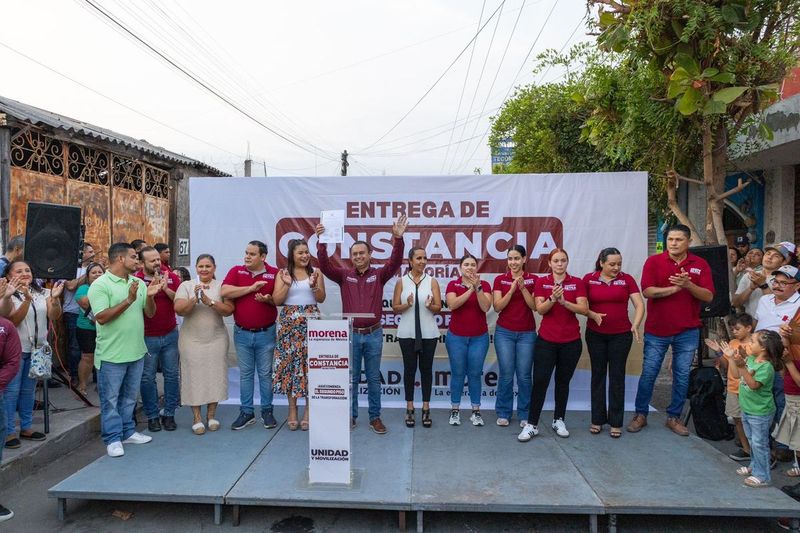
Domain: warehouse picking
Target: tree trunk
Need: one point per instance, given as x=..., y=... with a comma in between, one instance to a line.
x=672, y=203
x=715, y=159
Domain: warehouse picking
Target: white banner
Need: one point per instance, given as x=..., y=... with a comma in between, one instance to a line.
x=329, y=401
x=448, y=216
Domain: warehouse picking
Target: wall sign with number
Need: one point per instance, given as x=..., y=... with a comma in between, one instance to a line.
x=183, y=246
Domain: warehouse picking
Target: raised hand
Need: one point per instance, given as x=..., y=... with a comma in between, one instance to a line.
x=429, y=301
x=680, y=280
x=285, y=276
x=6, y=288
x=155, y=285
x=57, y=289
x=727, y=349
x=319, y=230
x=410, y=300
x=757, y=278
x=399, y=227
x=558, y=293
x=714, y=345
x=133, y=290
x=15, y=284
x=313, y=278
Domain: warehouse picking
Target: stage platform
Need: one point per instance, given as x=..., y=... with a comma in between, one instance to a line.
x=444, y=468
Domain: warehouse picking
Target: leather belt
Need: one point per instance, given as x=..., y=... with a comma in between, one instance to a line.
x=367, y=330
x=254, y=330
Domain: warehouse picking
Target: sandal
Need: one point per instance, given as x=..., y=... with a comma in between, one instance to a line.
x=426, y=418
x=410, y=422
x=33, y=435
x=744, y=470
x=198, y=428
x=304, y=425
x=213, y=424
x=793, y=472
x=615, y=433
x=594, y=429
x=754, y=482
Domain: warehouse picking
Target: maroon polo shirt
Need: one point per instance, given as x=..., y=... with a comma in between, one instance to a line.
x=249, y=313
x=560, y=324
x=610, y=299
x=516, y=316
x=10, y=352
x=680, y=311
x=362, y=292
x=163, y=321
x=469, y=320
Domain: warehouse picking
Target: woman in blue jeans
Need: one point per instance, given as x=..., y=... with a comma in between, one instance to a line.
x=33, y=306
x=467, y=338
x=514, y=336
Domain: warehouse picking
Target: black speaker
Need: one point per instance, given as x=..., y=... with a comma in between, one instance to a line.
x=52, y=240
x=717, y=259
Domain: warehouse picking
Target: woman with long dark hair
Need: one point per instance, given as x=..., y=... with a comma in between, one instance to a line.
x=609, y=336
x=514, y=336
x=417, y=297
x=559, y=298
x=203, y=343
x=469, y=299
x=298, y=288
x=86, y=331
x=33, y=307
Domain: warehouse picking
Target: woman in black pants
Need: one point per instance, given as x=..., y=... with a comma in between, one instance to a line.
x=417, y=297
x=559, y=297
x=609, y=335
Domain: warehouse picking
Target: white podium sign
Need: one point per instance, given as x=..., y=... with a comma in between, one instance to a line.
x=329, y=401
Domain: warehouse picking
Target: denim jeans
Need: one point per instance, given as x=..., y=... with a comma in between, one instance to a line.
x=367, y=347
x=466, y=355
x=3, y=431
x=19, y=397
x=684, y=345
x=73, y=349
x=780, y=403
x=162, y=350
x=756, y=428
x=255, y=354
x=118, y=386
x=514, y=356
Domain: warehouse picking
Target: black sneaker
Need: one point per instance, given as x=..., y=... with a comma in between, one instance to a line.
x=5, y=514
x=153, y=425
x=269, y=419
x=168, y=422
x=739, y=455
x=244, y=420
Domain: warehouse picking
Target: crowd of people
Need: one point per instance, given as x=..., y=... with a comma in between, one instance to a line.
x=133, y=315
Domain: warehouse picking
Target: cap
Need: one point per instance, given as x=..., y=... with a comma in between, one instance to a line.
x=790, y=247
x=789, y=271
x=778, y=248
x=741, y=240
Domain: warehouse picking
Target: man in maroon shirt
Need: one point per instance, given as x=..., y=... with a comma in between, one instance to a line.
x=10, y=352
x=250, y=285
x=675, y=284
x=161, y=338
x=362, y=292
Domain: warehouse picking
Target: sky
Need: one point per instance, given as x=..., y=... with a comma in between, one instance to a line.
x=292, y=84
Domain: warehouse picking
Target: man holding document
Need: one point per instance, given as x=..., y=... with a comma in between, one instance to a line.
x=362, y=292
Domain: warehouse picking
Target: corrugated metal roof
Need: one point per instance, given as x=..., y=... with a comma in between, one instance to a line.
x=36, y=116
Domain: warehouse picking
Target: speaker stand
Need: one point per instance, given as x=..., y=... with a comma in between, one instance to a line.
x=59, y=377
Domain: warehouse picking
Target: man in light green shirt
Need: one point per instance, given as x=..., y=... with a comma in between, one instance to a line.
x=118, y=300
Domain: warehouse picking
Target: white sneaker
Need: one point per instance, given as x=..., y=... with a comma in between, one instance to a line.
x=476, y=418
x=523, y=423
x=137, y=438
x=455, y=417
x=502, y=422
x=115, y=449
x=527, y=433
x=560, y=428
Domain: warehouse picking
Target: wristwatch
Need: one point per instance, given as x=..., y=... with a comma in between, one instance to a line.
x=478, y=288
x=763, y=286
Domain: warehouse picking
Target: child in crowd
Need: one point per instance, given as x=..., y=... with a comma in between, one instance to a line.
x=788, y=429
x=742, y=329
x=757, y=373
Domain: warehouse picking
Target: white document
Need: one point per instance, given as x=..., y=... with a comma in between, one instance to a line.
x=333, y=221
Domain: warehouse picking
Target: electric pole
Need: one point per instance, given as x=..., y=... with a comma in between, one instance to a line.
x=345, y=164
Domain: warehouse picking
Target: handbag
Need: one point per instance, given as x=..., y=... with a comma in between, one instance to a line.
x=42, y=356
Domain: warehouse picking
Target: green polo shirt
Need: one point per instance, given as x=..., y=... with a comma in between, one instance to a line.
x=122, y=339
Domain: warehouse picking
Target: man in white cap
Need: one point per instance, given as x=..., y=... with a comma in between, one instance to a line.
x=756, y=283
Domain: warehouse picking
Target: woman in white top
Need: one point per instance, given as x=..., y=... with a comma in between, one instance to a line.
x=33, y=306
x=417, y=297
x=298, y=288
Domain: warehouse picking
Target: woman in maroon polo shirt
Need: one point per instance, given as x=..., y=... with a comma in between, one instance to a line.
x=609, y=335
x=559, y=297
x=469, y=299
x=514, y=336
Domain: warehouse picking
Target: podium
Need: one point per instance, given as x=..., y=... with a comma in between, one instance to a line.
x=329, y=398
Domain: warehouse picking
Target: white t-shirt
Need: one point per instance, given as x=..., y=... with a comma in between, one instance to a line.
x=27, y=328
x=771, y=316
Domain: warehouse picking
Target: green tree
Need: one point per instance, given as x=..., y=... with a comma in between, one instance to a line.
x=716, y=64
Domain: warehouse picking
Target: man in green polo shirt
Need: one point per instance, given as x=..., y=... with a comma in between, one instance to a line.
x=117, y=300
